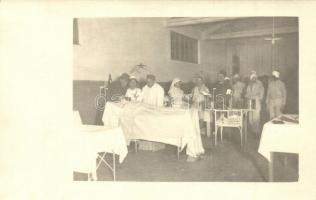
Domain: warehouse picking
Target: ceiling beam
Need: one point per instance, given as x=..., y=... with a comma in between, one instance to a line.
x=183, y=21
x=253, y=33
x=215, y=27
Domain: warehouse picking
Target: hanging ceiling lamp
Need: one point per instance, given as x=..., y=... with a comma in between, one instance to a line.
x=273, y=39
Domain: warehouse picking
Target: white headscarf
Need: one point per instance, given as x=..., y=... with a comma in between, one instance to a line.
x=172, y=87
x=236, y=76
x=253, y=74
x=276, y=74
x=133, y=77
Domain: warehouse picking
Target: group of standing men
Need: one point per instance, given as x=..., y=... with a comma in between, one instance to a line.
x=254, y=92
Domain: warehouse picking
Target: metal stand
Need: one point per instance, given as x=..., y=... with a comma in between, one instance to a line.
x=112, y=168
x=246, y=126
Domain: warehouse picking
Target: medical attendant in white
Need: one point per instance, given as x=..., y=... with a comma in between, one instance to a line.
x=176, y=94
x=152, y=93
x=255, y=91
x=133, y=93
x=198, y=96
x=276, y=95
x=195, y=148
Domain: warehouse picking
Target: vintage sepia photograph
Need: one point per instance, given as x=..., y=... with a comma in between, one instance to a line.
x=186, y=99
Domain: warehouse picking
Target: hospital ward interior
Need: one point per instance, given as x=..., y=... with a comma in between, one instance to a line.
x=186, y=99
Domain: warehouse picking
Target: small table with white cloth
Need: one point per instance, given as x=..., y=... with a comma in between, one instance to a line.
x=89, y=140
x=279, y=137
x=173, y=126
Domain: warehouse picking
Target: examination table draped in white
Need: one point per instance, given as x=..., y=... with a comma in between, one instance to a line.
x=174, y=126
x=280, y=138
x=89, y=140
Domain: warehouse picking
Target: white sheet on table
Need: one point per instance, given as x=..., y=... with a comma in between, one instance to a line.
x=88, y=141
x=112, y=113
x=157, y=126
x=172, y=126
x=279, y=138
x=77, y=122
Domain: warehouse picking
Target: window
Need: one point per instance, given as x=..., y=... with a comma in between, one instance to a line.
x=183, y=48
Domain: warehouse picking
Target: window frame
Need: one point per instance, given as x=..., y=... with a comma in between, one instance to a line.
x=184, y=48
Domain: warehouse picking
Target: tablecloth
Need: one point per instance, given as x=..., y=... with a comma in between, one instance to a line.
x=89, y=140
x=279, y=138
x=174, y=126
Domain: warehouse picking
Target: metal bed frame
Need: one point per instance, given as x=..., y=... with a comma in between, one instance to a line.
x=228, y=118
x=240, y=122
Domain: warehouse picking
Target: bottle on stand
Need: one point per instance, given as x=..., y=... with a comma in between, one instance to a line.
x=109, y=80
x=108, y=85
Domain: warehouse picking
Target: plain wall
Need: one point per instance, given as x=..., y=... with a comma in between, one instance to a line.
x=116, y=45
x=254, y=53
x=213, y=57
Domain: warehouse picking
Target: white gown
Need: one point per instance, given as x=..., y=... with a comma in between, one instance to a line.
x=194, y=147
x=134, y=94
x=176, y=97
x=199, y=99
x=153, y=95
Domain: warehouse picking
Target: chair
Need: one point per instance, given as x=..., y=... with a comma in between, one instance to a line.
x=229, y=118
